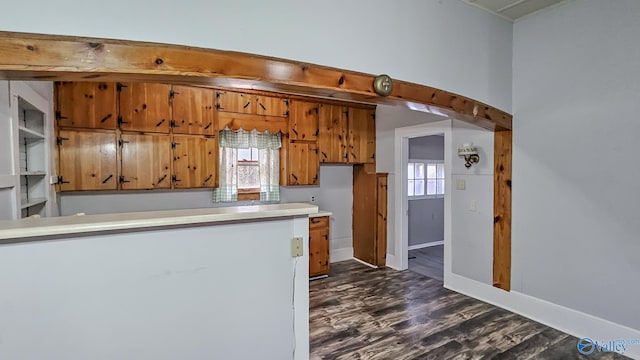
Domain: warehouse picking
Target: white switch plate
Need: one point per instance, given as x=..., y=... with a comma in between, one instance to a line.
x=296, y=247
x=460, y=184
x=473, y=206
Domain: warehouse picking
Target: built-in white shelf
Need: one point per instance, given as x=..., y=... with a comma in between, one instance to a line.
x=33, y=173
x=32, y=202
x=30, y=134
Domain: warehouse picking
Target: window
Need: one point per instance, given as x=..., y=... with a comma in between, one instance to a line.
x=425, y=179
x=249, y=166
x=248, y=170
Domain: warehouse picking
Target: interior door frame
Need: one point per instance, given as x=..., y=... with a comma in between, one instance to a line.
x=400, y=259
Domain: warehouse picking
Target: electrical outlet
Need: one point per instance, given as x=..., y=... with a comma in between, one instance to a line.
x=296, y=247
x=460, y=184
x=313, y=199
x=473, y=206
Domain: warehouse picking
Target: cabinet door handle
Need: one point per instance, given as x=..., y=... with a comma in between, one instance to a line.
x=106, y=118
x=160, y=123
x=206, y=180
x=107, y=179
x=162, y=178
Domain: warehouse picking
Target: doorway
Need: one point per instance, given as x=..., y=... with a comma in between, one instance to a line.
x=425, y=193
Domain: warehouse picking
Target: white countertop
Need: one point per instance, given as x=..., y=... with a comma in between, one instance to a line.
x=321, y=213
x=27, y=228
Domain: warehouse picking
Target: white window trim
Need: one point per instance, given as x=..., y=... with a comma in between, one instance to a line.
x=427, y=197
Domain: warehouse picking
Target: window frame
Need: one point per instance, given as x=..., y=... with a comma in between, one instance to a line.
x=248, y=193
x=426, y=162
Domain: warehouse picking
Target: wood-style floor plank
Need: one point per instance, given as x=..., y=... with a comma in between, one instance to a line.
x=428, y=261
x=364, y=313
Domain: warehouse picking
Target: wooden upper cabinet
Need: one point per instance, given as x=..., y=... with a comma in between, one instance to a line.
x=362, y=136
x=332, y=138
x=146, y=161
x=193, y=110
x=303, y=120
x=195, y=161
x=234, y=102
x=145, y=107
x=227, y=101
x=87, y=160
x=90, y=105
x=271, y=106
x=302, y=165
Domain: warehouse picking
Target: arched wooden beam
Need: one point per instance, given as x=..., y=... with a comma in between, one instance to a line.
x=51, y=57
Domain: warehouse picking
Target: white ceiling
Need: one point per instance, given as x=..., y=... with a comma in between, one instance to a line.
x=513, y=9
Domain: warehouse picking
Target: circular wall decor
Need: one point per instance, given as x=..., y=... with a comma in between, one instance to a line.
x=383, y=85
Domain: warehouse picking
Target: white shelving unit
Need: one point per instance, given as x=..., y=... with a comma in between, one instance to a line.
x=31, y=115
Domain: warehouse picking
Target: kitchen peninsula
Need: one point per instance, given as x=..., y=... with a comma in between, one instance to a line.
x=198, y=283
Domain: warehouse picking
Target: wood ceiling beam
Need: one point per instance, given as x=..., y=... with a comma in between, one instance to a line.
x=65, y=58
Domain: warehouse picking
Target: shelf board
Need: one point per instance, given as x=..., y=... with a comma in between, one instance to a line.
x=33, y=202
x=33, y=173
x=29, y=134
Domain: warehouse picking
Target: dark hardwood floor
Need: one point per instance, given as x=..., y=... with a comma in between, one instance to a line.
x=428, y=261
x=364, y=313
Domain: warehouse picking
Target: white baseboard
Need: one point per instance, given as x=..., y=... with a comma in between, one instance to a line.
x=429, y=244
x=568, y=320
x=392, y=262
x=7, y=181
x=365, y=263
x=341, y=255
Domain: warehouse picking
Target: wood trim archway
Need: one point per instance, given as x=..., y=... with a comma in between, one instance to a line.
x=64, y=58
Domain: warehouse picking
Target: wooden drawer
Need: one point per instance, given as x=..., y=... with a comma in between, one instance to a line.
x=319, y=222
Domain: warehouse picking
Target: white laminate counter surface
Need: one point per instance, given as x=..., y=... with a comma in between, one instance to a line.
x=53, y=226
x=321, y=213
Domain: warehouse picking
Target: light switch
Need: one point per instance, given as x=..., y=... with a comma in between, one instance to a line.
x=473, y=206
x=460, y=184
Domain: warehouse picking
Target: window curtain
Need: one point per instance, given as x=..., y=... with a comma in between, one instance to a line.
x=268, y=146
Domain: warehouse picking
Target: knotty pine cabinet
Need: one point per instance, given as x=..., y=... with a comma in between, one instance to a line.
x=144, y=107
x=193, y=110
x=302, y=166
x=195, y=161
x=369, y=216
x=145, y=161
x=303, y=120
x=346, y=134
x=87, y=160
x=235, y=102
x=88, y=105
x=319, y=246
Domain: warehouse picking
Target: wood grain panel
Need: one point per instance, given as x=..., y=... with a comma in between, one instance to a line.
x=234, y=102
x=303, y=120
x=364, y=215
x=146, y=161
x=381, y=219
x=195, y=161
x=332, y=138
x=193, y=110
x=271, y=106
x=67, y=58
x=249, y=122
x=145, y=107
x=87, y=160
x=502, y=210
x=319, y=246
x=90, y=105
x=362, y=136
x=303, y=164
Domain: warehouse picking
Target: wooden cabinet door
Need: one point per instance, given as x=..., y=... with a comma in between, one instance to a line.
x=381, y=220
x=303, y=166
x=362, y=136
x=145, y=107
x=87, y=160
x=364, y=215
x=193, y=111
x=90, y=105
x=303, y=121
x=146, y=161
x=195, y=161
x=318, y=246
x=332, y=138
x=227, y=101
x=271, y=106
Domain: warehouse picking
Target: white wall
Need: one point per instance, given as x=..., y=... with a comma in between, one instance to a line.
x=412, y=40
x=209, y=292
x=472, y=230
x=576, y=105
